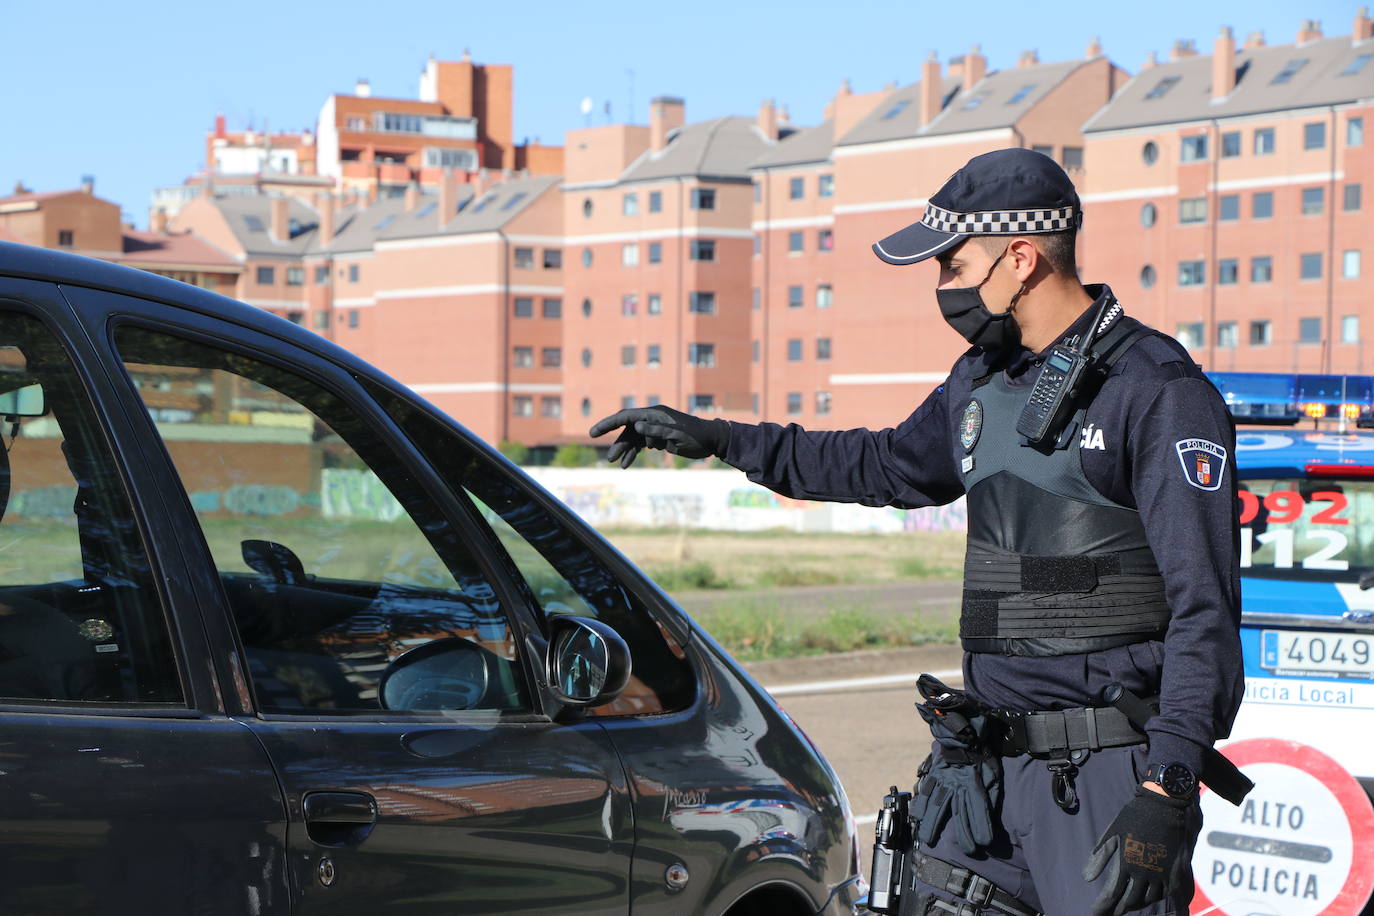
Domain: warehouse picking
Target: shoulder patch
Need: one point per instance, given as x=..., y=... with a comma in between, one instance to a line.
x=1204, y=462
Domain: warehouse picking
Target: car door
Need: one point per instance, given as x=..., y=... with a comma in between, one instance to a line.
x=339, y=560
x=124, y=784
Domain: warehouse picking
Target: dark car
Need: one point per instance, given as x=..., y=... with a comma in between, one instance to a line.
x=277, y=636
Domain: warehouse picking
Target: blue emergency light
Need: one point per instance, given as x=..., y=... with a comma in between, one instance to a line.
x=1284, y=399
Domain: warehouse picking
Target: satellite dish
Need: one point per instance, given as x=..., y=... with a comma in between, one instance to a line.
x=587, y=105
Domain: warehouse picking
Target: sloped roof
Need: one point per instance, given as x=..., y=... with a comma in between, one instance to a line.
x=488, y=213
x=357, y=228
x=1000, y=98
x=250, y=218
x=1318, y=81
x=810, y=144
x=721, y=148
x=142, y=248
x=895, y=117
x=38, y=196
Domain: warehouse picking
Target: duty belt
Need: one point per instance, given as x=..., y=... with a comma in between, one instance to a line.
x=1056, y=733
x=976, y=894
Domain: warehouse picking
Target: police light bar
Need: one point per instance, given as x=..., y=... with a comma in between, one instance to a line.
x=1284, y=399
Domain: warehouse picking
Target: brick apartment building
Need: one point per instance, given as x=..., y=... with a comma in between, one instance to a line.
x=1239, y=180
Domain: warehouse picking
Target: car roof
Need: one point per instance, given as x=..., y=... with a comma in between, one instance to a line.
x=1281, y=451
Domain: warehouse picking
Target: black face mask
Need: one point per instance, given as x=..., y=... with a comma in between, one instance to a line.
x=963, y=310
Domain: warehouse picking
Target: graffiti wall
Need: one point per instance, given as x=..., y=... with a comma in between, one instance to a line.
x=723, y=499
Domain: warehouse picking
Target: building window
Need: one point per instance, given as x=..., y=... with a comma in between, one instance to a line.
x=655, y=201
x=629, y=254
x=825, y=240
x=524, y=306
x=1149, y=152
x=522, y=406
x=753, y=351
x=702, y=303
x=1147, y=276
x=651, y=400
x=1162, y=87
x=794, y=297
x=1350, y=198
x=1350, y=329
x=1228, y=270
x=825, y=296
x=586, y=357
x=1071, y=157
x=794, y=350
x=1313, y=201
x=586, y=257
x=266, y=275
x=758, y=190
x=896, y=109
x=1261, y=333
x=1190, y=334
x=1192, y=210
x=1262, y=205
x=756, y=298
x=553, y=308
x=553, y=258
x=551, y=406
x=653, y=357
x=629, y=204
x=551, y=357
x=1046, y=151
x=322, y=276
x=795, y=243
x=1264, y=141
x=586, y=407
x=822, y=403
x=353, y=318
x=1228, y=207
x=1309, y=330
x=655, y=252
x=703, y=250
x=523, y=358
x=758, y=243
x=701, y=403
x=1310, y=266
x=702, y=355
x=825, y=185
x=627, y=402
x=629, y=305
x=586, y=308
x=822, y=348
x=793, y=403
x=1354, y=131
x=587, y=208
x=321, y=321
x=1230, y=144
x=703, y=199
x=1228, y=335
x=1192, y=273
x=627, y=355
x=524, y=259
x=1261, y=269
x=1148, y=214
x=1289, y=70
x=1350, y=264
x=796, y=188
x=1314, y=135
x=66, y=239
x=1194, y=149
x=655, y=305
x=353, y=273
x=295, y=276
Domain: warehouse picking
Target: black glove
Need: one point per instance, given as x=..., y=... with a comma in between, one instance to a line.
x=662, y=427
x=964, y=781
x=1145, y=853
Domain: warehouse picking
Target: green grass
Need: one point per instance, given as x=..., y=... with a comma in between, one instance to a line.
x=754, y=629
x=689, y=576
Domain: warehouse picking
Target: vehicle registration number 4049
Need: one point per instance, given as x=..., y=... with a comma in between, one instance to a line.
x=1313, y=652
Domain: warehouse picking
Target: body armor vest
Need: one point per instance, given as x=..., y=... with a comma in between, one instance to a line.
x=1052, y=566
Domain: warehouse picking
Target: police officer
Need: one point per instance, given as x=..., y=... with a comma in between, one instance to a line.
x=1101, y=551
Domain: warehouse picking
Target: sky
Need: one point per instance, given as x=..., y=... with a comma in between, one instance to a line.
x=126, y=91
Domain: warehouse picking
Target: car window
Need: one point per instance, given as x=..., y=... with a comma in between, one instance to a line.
x=560, y=573
x=334, y=561
x=80, y=616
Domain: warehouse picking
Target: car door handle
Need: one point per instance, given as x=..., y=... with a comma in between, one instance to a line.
x=339, y=818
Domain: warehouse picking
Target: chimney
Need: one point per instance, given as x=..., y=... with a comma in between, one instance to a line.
x=324, y=203
x=88, y=184
x=768, y=120
x=1254, y=40
x=371, y=193
x=1363, y=30
x=975, y=67
x=1311, y=30
x=1028, y=58
x=1151, y=60
x=158, y=222
x=666, y=114
x=479, y=183
x=1223, y=64
x=220, y=130
x=412, y=196
x=281, y=226
x=1094, y=48
x=448, y=197
x=931, y=89
x=1182, y=48
x=362, y=89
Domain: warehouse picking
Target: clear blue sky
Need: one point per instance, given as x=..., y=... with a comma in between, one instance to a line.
x=126, y=91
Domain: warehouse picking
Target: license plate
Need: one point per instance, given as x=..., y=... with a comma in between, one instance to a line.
x=1312, y=652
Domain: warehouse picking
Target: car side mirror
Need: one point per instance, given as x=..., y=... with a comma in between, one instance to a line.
x=588, y=664
x=445, y=674
x=276, y=561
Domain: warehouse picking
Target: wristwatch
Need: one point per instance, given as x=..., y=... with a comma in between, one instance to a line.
x=1176, y=779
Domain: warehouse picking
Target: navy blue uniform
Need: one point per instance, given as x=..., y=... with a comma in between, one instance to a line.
x=1133, y=450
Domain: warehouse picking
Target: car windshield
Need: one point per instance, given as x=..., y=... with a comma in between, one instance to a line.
x=1316, y=529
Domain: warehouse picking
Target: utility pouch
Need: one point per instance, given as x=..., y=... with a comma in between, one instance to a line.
x=891, y=847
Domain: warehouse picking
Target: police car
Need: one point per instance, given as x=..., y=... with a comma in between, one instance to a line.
x=1302, y=841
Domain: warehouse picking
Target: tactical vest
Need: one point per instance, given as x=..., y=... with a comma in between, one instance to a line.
x=1052, y=566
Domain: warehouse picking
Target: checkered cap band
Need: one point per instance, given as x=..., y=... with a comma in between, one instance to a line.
x=999, y=222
